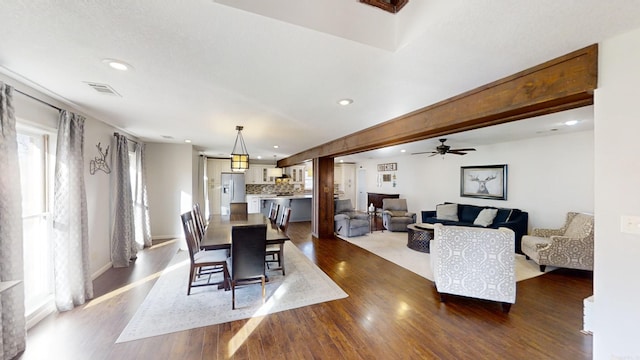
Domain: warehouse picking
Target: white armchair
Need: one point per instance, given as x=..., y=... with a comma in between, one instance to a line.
x=571, y=246
x=474, y=262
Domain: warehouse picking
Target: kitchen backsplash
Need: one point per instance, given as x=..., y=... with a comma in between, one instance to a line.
x=271, y=188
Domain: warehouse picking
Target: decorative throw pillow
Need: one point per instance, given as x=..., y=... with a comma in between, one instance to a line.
x=447, y=212
x=485, y=218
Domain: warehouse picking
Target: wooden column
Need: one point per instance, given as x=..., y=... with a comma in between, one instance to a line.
x=322, y=211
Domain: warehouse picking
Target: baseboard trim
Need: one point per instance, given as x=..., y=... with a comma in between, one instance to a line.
x=165, y=237
x=47, y=308
x=102, y=270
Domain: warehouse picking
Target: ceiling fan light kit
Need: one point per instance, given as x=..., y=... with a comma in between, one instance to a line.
x=443, y=149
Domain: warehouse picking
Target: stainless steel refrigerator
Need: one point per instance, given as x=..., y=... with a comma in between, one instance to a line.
x=232, y=190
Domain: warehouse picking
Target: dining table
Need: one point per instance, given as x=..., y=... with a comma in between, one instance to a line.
x=218, y=232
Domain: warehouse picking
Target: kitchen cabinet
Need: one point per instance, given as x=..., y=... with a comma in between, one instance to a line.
x=253, y=204
x=253, y=175
x=344, y=177
x=296, y=174
x=258, y=174
x=268, y=178
x=215, y=167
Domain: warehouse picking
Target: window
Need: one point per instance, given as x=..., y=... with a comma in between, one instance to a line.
x=37, y=188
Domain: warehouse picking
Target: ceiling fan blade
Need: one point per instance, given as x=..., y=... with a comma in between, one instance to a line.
x=434, y=154
x=424, y=152
x=456, y=152
x=468, y=149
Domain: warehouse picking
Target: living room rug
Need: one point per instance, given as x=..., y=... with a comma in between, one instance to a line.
x=392, y=246
x=167, y=308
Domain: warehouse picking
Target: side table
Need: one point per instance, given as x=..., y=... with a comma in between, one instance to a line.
x=419, y=236
x=372, y=220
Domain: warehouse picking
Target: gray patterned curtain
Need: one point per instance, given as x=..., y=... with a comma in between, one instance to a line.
x=143, y=229
x=12, y=332
x=123, y=245
x=72, y=276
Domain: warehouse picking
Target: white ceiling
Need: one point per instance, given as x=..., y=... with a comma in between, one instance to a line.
x=278, y=67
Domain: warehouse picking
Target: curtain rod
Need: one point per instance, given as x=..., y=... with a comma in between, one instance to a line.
x=128, y=139
x=36, y=99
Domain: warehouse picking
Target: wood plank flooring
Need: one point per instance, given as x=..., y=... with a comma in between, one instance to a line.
x=391, y=313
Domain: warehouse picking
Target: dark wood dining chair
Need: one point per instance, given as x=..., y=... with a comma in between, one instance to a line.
x=201, y=224
x=284, y=221
x=275, y=252
x=203, y=263
x=239, y=211
x=273, y=213
x=248, y=246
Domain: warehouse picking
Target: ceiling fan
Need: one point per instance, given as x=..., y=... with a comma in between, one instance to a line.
x=445, y=149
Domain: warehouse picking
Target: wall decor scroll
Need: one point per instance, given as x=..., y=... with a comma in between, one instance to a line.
x=100, y=162
x=388, y=167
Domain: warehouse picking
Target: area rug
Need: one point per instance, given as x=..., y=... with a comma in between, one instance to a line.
x=392, y=246
x=167, y=308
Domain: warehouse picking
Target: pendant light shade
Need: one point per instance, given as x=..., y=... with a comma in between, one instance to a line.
x=239, y=156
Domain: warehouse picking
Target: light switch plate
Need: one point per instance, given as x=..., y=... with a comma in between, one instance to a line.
x=630, y=224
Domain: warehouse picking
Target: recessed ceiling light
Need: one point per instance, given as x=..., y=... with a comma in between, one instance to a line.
x=275, y=146
x=188, y=141
x=403, y=150
x=345, y=102
x=117, y=64
x=259, y=157
x=571, y=122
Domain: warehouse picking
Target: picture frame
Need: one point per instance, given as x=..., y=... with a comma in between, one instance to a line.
x=484, y=182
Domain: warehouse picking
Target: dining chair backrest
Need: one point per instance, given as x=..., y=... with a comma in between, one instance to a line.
x=199, y=219
x=273, y=214
x=248, y=250
x=190, y=234
x=239, y=211
x=284, y=221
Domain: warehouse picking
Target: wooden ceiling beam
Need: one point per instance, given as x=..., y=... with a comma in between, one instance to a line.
x=392, y=6
x=564, y=83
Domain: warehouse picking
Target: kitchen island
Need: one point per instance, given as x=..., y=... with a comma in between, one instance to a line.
x=300, y=206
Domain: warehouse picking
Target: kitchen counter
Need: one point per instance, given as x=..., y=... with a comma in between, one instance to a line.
x=272, y=197
x=300, y=206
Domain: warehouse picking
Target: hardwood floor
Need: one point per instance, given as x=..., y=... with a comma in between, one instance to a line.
x=391, y=313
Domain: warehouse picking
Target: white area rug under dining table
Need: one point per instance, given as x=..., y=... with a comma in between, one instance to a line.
x=392, y=246
x=167, y=308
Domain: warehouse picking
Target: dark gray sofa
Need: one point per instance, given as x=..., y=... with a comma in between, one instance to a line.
x=514, y=219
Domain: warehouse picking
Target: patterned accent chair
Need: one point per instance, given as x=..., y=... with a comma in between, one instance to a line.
x=474, y=262
x=348, y=222
x=395, y=215
x=571, y=246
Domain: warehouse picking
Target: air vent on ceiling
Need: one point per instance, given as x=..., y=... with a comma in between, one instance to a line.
x=102, y=88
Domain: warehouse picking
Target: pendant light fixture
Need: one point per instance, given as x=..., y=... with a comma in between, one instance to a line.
x=239, y=157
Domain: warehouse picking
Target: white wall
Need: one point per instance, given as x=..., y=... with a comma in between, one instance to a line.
x=617, y=185
x=98, y=195
x=169, y=187
x=547, y=177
